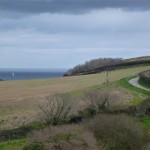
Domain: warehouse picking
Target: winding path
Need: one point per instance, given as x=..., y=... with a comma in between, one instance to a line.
x=135, y=83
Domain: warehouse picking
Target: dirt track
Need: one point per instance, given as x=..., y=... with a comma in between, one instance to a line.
x=135, y=83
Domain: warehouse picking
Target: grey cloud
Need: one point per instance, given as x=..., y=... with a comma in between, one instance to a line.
x=103, y=28
x=95, y=22
x=69, y=6
x=49, y=39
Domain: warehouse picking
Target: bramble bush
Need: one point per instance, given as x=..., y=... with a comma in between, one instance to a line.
x=117, y=132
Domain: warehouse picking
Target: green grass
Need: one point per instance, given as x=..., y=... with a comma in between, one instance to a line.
x=145, y=121
x=37, y=125
x=136, y=101
x=1, y=122
x=13, y=145
x=124, y=83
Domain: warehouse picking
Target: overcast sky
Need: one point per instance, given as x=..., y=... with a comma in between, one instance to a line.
x=64, y=33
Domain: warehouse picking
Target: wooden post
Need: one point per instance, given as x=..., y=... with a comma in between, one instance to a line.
x=107, y=94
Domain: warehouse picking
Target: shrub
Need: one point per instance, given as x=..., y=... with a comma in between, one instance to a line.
x=56, y=109
x=97, y=100
x=145, y=77
x=87, y=112
x=13, y=134
x=117, y=132
x=75, y=118
x=34, y=146
x=68, y=137
x=144, y=107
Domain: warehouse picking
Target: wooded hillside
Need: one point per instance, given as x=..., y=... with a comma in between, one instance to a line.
x=102, y=64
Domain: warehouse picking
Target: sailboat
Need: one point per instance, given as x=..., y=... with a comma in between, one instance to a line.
x=13, y=74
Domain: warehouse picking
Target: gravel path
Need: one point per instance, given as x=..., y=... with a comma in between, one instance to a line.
x=134, y=82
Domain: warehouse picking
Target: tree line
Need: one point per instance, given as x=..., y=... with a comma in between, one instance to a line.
x=103, y=64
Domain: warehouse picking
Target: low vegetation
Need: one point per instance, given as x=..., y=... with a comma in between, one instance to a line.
x=117, y=132
x=13, y=145
x=99, y=128
x=144, y=107
x=145, y=121
x=67, y=137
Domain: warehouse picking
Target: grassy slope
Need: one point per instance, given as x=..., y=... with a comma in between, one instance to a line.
x=13, y=92
x=136, y=92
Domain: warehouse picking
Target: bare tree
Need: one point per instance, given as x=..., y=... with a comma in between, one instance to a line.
x=97, y=99
x=56, y=109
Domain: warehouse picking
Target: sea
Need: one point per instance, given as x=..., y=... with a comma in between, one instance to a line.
x=29, y=74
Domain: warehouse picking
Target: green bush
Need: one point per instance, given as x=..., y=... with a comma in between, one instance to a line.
x=144, y=107
x=65, y=137
x=117, y=132
x=87, y=113
x=34, y=146
x=145, y=77
x=14, y=134
x=145, y=121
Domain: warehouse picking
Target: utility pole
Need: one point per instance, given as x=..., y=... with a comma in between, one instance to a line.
x=107, y=89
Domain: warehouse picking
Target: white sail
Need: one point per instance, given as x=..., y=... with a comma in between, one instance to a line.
x=13, y=74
